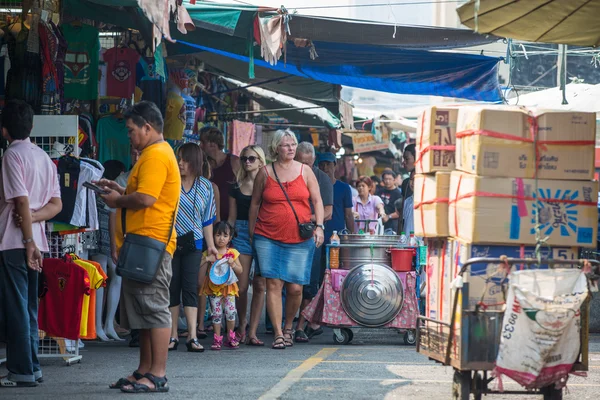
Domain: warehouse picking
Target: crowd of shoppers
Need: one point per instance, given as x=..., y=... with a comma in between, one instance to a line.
x=226, y=222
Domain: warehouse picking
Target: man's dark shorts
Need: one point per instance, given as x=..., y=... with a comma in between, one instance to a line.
x=316, y=274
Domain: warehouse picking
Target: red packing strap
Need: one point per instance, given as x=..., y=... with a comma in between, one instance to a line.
x=434, y=147
x=456, y=206
x=441, y=281
x=515, y=197
x=421, y=152
x=433, y=201
x=419, y=205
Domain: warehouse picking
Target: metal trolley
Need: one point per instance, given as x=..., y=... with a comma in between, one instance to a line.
x=472, y=348
x=361, y=304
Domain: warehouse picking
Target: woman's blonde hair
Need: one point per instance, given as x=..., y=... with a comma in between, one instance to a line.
x=277, y=138
x=241, y=174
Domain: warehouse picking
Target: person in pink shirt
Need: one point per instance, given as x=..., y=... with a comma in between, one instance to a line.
x=29, y=196
x=366, y=206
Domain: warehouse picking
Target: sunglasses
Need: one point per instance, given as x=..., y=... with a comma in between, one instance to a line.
x=250, y=159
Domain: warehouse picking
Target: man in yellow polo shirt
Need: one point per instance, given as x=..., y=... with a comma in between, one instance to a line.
x=150, y=200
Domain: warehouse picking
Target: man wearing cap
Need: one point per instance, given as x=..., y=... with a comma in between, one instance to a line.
x=342, y=213
x=305, y=153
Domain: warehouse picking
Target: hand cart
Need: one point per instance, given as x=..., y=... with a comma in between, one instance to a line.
x=367, y=292
x=470, y=342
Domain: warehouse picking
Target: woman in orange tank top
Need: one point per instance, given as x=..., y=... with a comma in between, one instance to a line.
x=284, y=257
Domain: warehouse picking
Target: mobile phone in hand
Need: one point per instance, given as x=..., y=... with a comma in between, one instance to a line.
x=95, y=188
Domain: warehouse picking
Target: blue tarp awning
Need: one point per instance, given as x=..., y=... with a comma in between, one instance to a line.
x=385, y=69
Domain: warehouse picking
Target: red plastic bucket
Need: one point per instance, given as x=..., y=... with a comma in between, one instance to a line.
x=402, y=259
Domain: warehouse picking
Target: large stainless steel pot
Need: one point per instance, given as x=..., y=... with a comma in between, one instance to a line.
x=365, y=249
x=372, y=295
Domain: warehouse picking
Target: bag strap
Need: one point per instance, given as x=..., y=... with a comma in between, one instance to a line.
x=285, y=193
x=123, y=217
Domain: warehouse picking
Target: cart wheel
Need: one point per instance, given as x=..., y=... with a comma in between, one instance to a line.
x=350, y=333
x=461, y=385
x=552, y=393
x=345, y=337
x=410, y=338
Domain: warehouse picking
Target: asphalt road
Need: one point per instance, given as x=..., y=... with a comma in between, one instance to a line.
x=377, y=365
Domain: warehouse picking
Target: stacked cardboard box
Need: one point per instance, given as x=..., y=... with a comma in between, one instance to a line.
x=517, y=171
x=436, y=140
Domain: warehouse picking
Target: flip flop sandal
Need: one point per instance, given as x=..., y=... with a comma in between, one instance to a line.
x=125, y=382
x=198, y=347
x=160, y=385
x=279, y=343
x=7, y=383
x=288, y=336
x=252, y=341
x=201, y=333
x=173, y=340
x=300, y=337
x=310, y=332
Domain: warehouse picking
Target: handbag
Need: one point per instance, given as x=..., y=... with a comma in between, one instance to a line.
x=141, y=256
x=186, y=243
x=306, y=229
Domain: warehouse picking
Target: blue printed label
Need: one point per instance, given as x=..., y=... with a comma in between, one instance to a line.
x=585, y=235
x=515, y=223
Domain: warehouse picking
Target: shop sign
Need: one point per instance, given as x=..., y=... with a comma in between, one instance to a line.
x=365, y=142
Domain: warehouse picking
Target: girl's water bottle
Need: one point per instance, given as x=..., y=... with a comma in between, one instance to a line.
x=334, y=251
x=403, y=240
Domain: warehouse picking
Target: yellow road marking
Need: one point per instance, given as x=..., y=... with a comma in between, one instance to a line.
x=370, y=362
x=296, y=374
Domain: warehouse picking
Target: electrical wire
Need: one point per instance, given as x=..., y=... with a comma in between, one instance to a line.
x=328, y=7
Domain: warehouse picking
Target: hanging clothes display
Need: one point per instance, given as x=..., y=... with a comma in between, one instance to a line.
x=50, y=91
x=24, y=79
x=151, y=83
x=59, y=62
x=81, y=62
x=113, y=142
x=85, y=213
x=64, y=286
x=190, y=118
x=121, y=71
x=96, y=282
x=175, y=116
x=243, y=134
x=91, y=326
x=68, y=169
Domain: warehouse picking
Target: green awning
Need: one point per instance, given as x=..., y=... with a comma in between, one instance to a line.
x=221, y=18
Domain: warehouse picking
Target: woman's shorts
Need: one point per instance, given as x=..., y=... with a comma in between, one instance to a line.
x=242, y=242
x=288, y=262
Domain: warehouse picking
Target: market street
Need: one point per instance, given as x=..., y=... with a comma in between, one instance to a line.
x=377, y=365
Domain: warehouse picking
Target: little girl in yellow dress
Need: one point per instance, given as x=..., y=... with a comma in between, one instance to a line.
x=222, y=294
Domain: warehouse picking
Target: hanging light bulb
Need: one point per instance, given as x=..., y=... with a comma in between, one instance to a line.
x=360, y=160
x=356, y=157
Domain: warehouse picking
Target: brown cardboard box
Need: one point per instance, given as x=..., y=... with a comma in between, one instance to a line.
x=431, y=204
x=487, y=282
x=498, y=141
x=436, y=139
x=438, y=279
x=503, y=210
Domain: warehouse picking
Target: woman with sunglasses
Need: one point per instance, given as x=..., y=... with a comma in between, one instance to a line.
x=252, y=159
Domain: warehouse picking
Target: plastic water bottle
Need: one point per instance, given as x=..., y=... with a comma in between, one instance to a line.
x=412, y=241
x=334, y=252
x=403, y=240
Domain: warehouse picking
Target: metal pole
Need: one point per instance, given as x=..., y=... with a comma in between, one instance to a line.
x=294, y=126
x=275, y=110
x=562, y=71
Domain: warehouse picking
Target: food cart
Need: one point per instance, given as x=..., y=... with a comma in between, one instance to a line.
x=368, y=290
x=470, y=341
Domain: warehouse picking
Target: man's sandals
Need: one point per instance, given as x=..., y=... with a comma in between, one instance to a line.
x=124, y=381
x=160, y=385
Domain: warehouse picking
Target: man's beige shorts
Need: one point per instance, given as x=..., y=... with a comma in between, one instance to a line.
x=146, y=306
